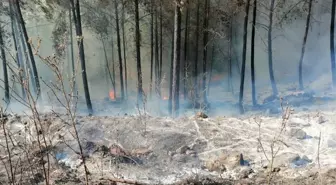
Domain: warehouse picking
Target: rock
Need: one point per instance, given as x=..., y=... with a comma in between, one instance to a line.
x=182, y=149
x=201, y=115
x=298, y=133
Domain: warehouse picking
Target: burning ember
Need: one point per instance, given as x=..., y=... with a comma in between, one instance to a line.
x=112, y=95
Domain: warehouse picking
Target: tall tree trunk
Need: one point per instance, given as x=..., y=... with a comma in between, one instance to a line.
x=26, y=64
x=138, y=54
x=186, y=62
x=72, y=56
x=205, y=50
x=4, y=66
x=161, y=45
x=211, y=66
x=242, y=74
x=332, y=45
x=230, y=84
x=170, y=102
x=124, y=45
x=121, y=75
x=152, y=48
x=176, y=66
x=18, y=54
x=78, y=24
x=304, y=44
x=113, y=69
x=107, y=67
x=30, y=52
x=157, y=55
x=270, y=52
x=254, y=97
x=196, y=54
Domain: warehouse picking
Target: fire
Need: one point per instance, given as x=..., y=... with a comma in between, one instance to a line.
x=216, y=78
x=165, y=98
x=112, y=95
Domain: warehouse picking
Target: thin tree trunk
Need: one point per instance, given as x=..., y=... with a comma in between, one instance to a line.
x=176, y=66
x=138, y=54
x=26, y=66
x=72, y=56
x=230, y=57
x=205, y=50
x=30, y=52
x=211, y=66
x=242, y=74
x=270, y=52
x=156, y=48
x=161, y=47
x=152, y=48
x=186, y=62
x=4, y=66
x=113, y=69
x=18, y=54
x=107, y=65
x=254, y=97
x=170, y=102
x=196, y=54
x=78, y=24
x=332, y=45
x=124, y=45
x=304, y=44
x=121, y=75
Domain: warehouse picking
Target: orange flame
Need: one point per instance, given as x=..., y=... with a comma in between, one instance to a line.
x=165, y=98
x=112, y=95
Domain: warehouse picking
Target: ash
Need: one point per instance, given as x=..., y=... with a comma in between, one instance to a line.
x=146, y=149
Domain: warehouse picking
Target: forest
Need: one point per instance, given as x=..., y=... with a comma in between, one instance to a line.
x=168, y=52
x=167, y=92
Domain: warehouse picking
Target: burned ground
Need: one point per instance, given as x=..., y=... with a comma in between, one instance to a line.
x=158, y=150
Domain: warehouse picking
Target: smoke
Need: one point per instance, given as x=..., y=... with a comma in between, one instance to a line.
x=287, y=43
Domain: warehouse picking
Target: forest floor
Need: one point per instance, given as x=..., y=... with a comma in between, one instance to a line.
x=154, y=150
x=271, y=144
